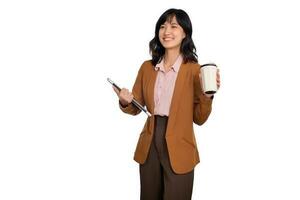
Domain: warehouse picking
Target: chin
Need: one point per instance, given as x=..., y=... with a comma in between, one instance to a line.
x=170, y=46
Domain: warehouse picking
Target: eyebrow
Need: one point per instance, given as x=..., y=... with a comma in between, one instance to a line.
x=171, y=23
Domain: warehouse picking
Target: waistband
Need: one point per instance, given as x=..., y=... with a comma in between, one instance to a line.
x=161, y=118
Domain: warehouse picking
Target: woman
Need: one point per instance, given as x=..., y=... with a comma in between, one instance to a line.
x=169, y=85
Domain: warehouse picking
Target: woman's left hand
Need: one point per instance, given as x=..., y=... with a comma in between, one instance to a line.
x=218, y=79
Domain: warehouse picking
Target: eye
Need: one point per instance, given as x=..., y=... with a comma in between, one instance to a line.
x=174, y=26
x=162, y=26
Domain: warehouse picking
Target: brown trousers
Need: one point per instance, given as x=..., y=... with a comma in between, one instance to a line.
x=158, y=181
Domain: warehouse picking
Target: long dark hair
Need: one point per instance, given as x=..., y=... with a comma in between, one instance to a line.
x=187, y=48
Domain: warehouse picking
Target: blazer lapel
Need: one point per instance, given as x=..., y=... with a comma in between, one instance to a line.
x=176, y=96
x=151, y=85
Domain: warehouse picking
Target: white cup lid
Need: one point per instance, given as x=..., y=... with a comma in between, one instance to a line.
x=208, y=64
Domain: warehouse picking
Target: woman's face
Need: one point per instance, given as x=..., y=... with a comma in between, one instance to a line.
x=171, y=34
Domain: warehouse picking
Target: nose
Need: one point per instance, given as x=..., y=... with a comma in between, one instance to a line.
x=167, y=30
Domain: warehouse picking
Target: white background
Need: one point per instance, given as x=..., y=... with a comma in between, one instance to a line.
x=62, y=135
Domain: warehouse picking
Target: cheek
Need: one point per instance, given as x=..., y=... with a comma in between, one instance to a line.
x=180, y=37
x=160, y=36
x=179, y=34
x=160, y=33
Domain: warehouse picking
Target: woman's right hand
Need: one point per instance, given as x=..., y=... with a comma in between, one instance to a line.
x=124, y=95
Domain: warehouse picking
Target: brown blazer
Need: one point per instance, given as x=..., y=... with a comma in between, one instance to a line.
x=188, y=105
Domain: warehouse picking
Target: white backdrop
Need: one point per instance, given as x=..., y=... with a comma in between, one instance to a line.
x=62, y=135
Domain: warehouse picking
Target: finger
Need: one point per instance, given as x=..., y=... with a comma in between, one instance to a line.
x=116, y=90
x=123, y=90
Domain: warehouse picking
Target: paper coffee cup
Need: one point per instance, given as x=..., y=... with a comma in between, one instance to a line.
x=209, y=78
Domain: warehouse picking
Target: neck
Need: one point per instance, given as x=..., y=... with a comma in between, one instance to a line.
x=170, y=57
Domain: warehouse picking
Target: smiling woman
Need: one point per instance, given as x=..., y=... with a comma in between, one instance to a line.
x=167, y=150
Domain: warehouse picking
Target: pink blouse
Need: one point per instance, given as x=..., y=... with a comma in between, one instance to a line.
x=164, y=87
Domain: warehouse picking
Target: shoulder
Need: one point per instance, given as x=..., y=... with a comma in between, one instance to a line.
x=193, y=67
x=146, y=66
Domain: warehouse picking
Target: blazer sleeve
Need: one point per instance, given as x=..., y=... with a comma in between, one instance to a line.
x=202, y=104
x=137, y=92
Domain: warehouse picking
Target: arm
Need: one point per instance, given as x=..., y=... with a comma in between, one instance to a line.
x=202, y=103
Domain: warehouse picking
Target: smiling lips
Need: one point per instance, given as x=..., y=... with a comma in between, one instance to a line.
x=167, y=39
